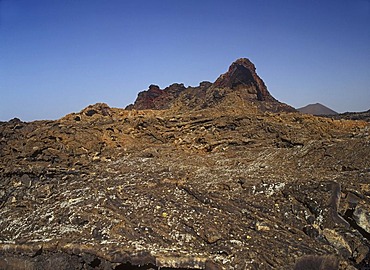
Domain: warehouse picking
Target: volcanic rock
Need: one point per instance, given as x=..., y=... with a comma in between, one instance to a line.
x=317, y=262
x=239, y=87
x=157, y=99
x=362, y=217
x=221, y=187
x=242, y=75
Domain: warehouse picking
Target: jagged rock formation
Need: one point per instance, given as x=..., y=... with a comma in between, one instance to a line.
x=156, y=99
x=242, y=75
x=240, y=87
x=208, y=188
x=317, y=109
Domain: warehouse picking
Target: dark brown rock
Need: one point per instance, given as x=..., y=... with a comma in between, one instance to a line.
x=317, y=262
x=156, y=99
x=98, y=108
x=223, y=187
x=242, y=76
x=239, y=88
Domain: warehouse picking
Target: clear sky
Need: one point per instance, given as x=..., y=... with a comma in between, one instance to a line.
x=59, y=56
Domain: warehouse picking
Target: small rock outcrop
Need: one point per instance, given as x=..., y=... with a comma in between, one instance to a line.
x=157, y=99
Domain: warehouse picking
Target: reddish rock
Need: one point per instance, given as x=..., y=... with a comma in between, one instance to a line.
x=156, y=99
x=242, y=75
x=145, y=99
x=239, y=87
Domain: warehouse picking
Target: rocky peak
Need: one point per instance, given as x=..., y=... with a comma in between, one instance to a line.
x=185, y=188
x=153, y=88
x=153, y=92
x=240, y=72
x=242, y=75
x=240, y=87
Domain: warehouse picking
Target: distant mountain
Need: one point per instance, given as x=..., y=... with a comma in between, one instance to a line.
x=240, y=87
x=317, y=109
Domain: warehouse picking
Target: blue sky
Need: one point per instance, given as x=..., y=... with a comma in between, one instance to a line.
x=59, y=56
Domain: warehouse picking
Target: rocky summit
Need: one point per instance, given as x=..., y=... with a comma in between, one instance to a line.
x=239, y=88
x=218, y=176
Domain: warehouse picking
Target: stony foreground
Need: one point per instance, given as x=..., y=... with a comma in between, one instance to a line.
x=208, y=189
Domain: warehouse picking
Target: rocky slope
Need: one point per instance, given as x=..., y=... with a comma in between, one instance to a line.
x=210, y=188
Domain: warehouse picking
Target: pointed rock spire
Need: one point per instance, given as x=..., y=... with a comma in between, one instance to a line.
x=242, y=74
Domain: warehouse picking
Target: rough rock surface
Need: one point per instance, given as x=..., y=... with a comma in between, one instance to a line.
x=240, y=87
x=208, y=188
x=242, y=75
x=157, y=99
